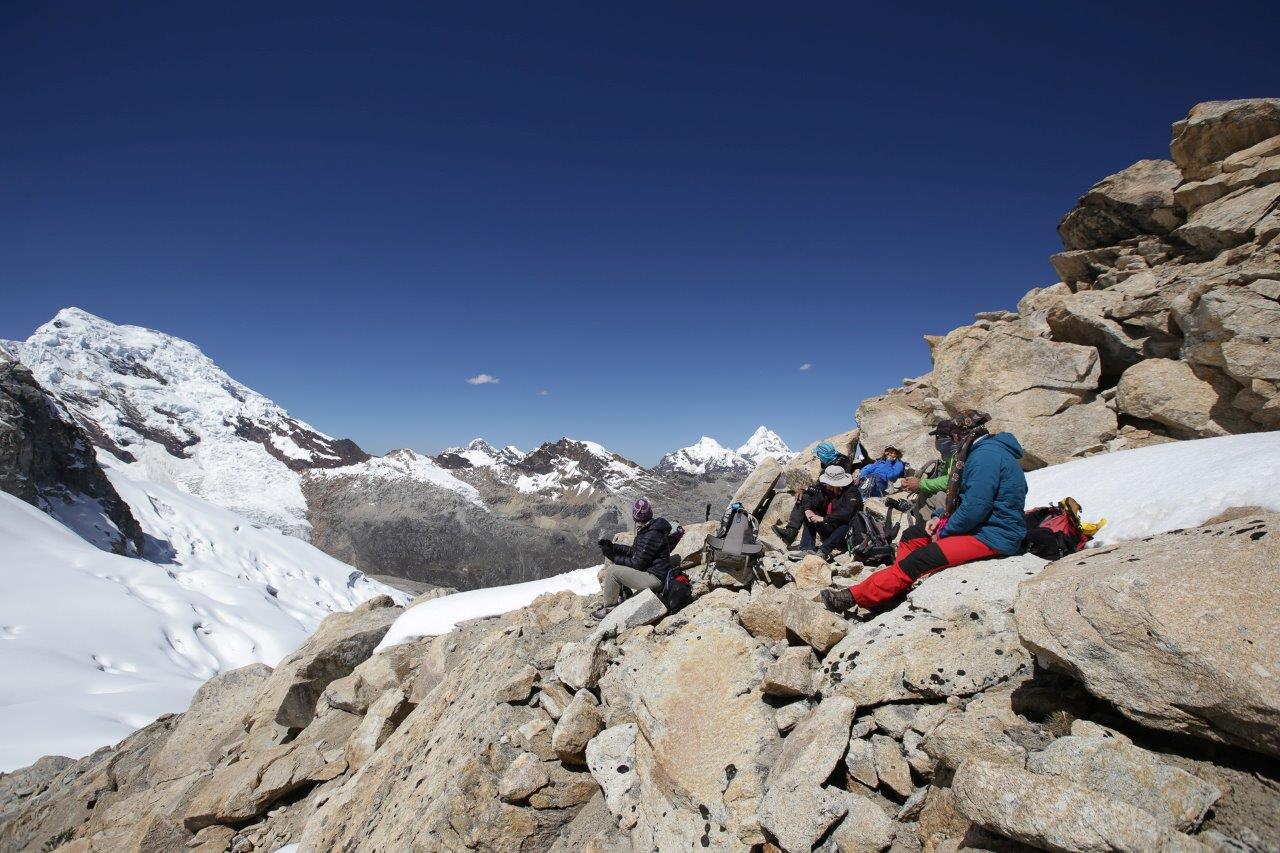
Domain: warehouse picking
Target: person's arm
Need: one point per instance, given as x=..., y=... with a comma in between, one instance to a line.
x=933, y=485
x=981, y=480
x=641, y=554
x=895, y=470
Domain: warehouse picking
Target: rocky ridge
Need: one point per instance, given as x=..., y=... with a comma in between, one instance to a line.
x=1162, y=326
x=48, y=461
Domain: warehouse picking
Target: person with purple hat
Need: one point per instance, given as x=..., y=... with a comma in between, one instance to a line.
x=640, y=565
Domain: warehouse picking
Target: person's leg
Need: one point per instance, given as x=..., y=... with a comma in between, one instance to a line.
x=835, y=540
x=794, y=523
x=617, y=577
x=890, y=583
x=807, y=533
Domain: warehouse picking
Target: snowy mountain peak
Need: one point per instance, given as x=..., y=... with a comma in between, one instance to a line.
x=159, y=404
x=762, y=443
x=704, y=456
x=478, y=454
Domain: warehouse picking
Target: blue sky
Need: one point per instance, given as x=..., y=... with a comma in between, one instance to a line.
x=653, y=214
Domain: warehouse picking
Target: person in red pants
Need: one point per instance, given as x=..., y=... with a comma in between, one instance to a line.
x=985, y=503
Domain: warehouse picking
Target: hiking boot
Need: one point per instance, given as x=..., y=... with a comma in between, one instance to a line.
x=800, y=553
x=786, y=534
x=837, y=600
x=600, y=612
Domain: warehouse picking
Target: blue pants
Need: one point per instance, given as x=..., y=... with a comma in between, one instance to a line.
x=831, y=537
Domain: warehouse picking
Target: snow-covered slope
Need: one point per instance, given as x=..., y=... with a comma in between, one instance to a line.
x=159, y=404
x=1167, y=486
x=94, y=645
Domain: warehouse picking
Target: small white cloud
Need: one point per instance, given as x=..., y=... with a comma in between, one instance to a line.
x=483, y=379
x=805, y=366
x=544, y=392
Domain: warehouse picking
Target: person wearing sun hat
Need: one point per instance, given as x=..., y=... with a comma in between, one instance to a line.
x=828, y=509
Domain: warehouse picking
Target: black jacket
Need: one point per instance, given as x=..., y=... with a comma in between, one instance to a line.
x=843, y=505
x=649, y=552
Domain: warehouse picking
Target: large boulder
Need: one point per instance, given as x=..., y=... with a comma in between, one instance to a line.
x=1137, y=200
x=1213, y=130
x=1192, y=402
x=902, y=417
x=1025, y=380
x=214, y=722
x=1144, y=625
x=1231, y=220
x=343, y=640
x=953, y=636
x=706, y=737
x=1051, y=813
x=1233, y=328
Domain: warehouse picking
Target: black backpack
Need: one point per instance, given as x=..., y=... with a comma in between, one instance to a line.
x=677, y=591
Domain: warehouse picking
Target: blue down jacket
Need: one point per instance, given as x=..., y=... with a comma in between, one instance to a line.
x=993, y=495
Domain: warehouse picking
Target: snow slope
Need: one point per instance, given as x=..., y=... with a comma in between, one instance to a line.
x=1167, y=486
x=440, y=615
x=94, y=645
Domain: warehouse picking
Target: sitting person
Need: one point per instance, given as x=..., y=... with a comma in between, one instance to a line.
x=984, y=517
x=927, y=487
x=823, y=513
x=640, y=565
x=875, y=478
x=827, y=454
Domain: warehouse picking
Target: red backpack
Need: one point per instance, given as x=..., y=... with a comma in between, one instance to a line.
x=1053, y=532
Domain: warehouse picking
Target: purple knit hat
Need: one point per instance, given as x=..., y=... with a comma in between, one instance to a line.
x=641, y=511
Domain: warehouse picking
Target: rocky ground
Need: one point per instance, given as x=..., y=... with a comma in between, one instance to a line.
x=1096, y=703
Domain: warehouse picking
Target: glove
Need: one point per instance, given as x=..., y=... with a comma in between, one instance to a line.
x=606, y=547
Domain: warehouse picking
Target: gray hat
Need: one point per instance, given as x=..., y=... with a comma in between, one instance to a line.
x=836, y=476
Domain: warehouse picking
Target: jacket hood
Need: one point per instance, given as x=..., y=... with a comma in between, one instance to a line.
x=659, y=524
x=1003, y=440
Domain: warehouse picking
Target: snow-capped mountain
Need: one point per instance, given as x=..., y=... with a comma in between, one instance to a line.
x=158, y=404
x=707, y=457
x=479, y=454
x=763, y=443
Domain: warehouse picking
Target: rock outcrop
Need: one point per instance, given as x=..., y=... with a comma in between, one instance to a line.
x=1162, y=325
x=1189, y=615
x=48, y=461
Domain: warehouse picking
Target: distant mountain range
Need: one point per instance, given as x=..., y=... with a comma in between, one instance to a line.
x=469, y=516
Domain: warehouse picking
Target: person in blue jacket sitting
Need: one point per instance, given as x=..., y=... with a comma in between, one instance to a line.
x=876, y=477
x=984, y=518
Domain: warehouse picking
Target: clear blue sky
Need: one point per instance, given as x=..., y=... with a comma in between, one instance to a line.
x=656, y=215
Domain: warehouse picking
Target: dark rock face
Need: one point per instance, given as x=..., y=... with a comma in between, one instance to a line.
x=48, y=461
x=325, y=452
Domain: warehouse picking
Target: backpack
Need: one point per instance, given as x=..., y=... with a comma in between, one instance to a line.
x=874, y=538
x=736, y=535
x=1053, y=532
x=677, y=591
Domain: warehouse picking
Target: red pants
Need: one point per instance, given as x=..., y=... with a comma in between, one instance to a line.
x=918, y=556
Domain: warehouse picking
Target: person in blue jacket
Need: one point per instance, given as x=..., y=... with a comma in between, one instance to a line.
x=986, y=499
x=877, y=476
